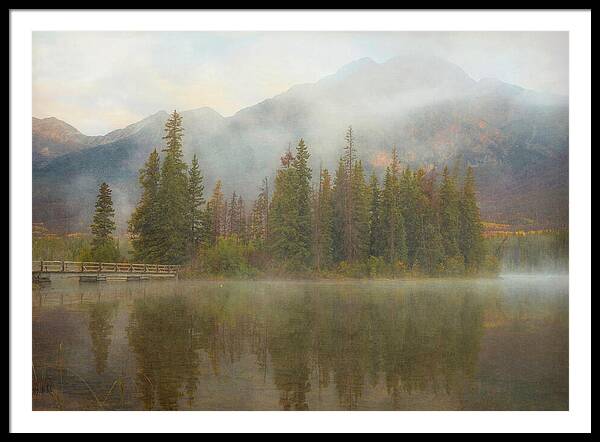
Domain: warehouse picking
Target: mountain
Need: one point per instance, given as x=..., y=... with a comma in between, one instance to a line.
x=53, y=137
x=430, y=109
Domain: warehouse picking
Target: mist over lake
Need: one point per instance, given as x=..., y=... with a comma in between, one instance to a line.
x=489, y=344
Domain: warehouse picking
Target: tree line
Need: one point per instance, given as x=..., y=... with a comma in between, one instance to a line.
x=411, y=221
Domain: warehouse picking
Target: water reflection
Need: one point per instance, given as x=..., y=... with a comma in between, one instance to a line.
x=101, y=315
x=418, y=341
x=317, y=346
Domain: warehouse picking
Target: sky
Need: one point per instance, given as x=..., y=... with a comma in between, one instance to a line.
x=102, y=81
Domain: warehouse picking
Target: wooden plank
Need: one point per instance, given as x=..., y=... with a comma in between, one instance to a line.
x=101, y=267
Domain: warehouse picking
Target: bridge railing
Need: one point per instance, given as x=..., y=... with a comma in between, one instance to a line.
x=101, y=267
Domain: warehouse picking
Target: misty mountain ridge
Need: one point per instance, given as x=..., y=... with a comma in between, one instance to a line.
x=430, y=109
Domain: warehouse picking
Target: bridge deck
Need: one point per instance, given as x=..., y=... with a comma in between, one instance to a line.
x=77, y=267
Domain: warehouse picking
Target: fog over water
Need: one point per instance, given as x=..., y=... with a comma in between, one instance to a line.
x=436, y=344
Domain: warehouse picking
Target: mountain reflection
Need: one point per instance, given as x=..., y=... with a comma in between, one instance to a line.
x=303, y=340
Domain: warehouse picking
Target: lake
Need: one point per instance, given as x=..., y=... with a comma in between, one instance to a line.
x=436, y=344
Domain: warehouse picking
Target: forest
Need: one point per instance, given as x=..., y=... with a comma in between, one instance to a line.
x=307, y=223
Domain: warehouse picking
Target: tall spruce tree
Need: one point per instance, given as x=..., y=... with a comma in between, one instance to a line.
x=104, y=247
x=375, y=227
x=142, y=226
x=302, y=176
x=323, y=222
x=242, y=224
x=409, y=196
x=471, y=229
x=195, y=193
x=349, y=236
x=449, y=206
x=391, y=214
x=284, y=235
x=216, y=214
x=430, y=248
x=259, y=217
x=172, y=195
x=291, y=215
x=338, y=212
x=360, y=214
x=233, y=216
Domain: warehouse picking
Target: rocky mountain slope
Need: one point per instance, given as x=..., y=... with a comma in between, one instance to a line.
x=430, y=109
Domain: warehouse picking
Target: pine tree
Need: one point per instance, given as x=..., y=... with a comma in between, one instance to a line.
x=142, y=227
x=291, y=214
x=348, y=232
x=233, y=217
x=339, y=210
x=103, y=225
x=284, y=235
x=259, y=218
x=375, y=227
x=241, y=213
x=360, y=214
x=391, y=214
x=216, y=214
x=172, y=195
x=449, y=207
x=196, y=201
x=409, y=196
x=471, y=229
x=430, y=248
x=303, y=175
x=323, y=222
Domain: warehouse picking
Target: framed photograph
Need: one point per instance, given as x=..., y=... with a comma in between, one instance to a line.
x=306, y=211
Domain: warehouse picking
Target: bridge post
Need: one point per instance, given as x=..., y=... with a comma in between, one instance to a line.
x=41, y=265
x=62, y=267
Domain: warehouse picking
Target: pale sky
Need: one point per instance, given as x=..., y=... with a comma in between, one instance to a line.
x=101, y=81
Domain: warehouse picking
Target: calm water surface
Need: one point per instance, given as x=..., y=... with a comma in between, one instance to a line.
x=496, y=344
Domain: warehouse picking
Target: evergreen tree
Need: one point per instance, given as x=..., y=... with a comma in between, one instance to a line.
x=339, y=209
x=449, y=206
x=104, y=247
x=259, y=219
x=323, y=222
x=216, y=214
x=430, y=248
x=349, y=236
x=284, y=235
x=375, y=228
x=291, y=215
x=172, y=196
x=241, y=213
x=207, y=237
x=360, y=214
x=409, y=198
x=233, y=220
x=196, y=200
x=471, y=229
x=302, y=178
x=391, y=214
x=142, y=226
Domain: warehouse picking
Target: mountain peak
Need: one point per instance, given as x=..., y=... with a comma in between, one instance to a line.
x=203, y=111
x=53, y=124
x=354, y=66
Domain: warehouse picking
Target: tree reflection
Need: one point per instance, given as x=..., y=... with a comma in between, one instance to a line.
x=161, y=333
x=290, y=347
x=100, y=317
x=412, y=341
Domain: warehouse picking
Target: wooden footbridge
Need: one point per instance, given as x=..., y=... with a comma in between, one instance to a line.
x=102, y=271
